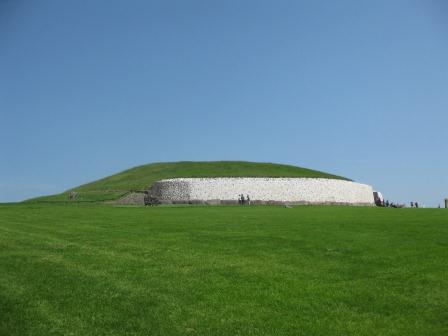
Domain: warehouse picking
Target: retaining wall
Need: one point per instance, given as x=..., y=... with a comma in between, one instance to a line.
x=132, y=198
x=263, y=190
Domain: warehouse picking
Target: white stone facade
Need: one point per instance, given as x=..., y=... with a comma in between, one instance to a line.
x=263, y=190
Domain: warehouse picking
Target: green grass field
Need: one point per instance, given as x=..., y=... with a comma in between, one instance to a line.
x=141, y=177
x=103, y=270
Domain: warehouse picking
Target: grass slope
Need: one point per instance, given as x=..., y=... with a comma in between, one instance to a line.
x=100, y=270
x=141, y=177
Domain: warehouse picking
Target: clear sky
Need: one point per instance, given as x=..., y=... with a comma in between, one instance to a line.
x=355, y=88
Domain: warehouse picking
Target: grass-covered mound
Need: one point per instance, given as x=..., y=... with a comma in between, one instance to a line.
x=102, y=270
x=141, y=177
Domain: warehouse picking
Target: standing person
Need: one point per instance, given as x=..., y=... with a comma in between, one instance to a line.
x=248, y=199
x=242, y=199
x=416, y=204
x=412, y=204
x=239, y=199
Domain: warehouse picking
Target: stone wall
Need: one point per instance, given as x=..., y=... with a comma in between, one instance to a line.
x=262, y=190
x=132, y=198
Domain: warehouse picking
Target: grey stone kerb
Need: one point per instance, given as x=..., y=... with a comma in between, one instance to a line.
x=262, y=190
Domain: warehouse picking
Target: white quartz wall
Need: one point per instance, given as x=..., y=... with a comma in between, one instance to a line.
x=294, y=190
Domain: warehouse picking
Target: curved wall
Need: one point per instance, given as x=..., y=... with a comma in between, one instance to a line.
x=263, y=190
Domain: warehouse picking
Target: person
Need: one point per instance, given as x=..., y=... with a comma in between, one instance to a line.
x=239, y=199
x=248, y=199
x=387, y=203
x=412, y=204
x=242, y=199
x=416, y=204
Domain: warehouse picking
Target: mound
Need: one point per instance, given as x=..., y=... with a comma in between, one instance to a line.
x=142, y=177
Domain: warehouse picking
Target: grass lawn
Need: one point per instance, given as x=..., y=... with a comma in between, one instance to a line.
x=103, y=270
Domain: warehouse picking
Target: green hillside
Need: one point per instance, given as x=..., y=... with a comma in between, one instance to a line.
x=141, y=177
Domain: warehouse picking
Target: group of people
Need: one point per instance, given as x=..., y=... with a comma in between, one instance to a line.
x=242, y=200
x=387, y=204
x=393, y=205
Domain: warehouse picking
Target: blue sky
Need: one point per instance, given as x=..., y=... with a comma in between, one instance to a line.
x=356, y=88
